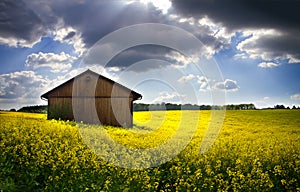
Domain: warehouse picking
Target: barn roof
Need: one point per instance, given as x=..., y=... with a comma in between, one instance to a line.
x=135, y=94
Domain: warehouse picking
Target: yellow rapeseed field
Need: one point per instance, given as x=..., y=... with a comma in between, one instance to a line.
x=255, y=150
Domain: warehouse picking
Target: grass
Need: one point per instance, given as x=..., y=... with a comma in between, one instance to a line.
x=254, y=151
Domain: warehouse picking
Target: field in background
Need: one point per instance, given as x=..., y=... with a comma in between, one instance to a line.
x=255, y=151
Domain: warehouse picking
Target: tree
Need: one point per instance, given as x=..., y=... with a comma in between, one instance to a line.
x=34, y=109
x=279, y=107
x=251, y=106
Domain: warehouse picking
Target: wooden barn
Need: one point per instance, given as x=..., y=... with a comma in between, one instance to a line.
x=92, y=98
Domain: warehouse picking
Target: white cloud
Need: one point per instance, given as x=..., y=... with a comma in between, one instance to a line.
x=228, y=85
x=185, y=79
x=70, y=36
x=163, y=5
x=216, y=32
x=113, y=69
x=189, y=20
x=207, y=22
x=16, y=42
x=213, y=35
x=268, y=65
x=23, y=84
x=181, y=61
x=57, y=62
x=169, y=97
x=251, y=45
x=204, y=83
x=265, y=44
x=259, y=44
x=296, y=97
x=266, y=98
x=241, y=56
x=173, y=16
x=292, y=59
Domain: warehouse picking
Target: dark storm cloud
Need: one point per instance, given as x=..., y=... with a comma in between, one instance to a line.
x=289, y=44
x=19, y=22
x=95, y=19
x=30, y=20
x=236, y=14
x=147, y=35
x=91, y=20
x=70, y=35
x=138, y=58
x=141, y=53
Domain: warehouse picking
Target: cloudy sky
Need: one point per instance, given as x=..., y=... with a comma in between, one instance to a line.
x=249, y=50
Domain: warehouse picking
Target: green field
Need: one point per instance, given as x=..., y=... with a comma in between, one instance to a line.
x=255, y=151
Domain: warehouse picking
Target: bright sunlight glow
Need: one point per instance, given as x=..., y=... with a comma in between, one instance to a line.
x=163, y=5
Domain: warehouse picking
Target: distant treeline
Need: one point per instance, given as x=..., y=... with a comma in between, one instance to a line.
x=283, y=107
x=171, y=106
x=166, y=106
x=34, y=109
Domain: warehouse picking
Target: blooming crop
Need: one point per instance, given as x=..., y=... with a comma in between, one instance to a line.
x=255, y=151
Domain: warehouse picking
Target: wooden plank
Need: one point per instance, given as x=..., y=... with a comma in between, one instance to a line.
x=112, y=102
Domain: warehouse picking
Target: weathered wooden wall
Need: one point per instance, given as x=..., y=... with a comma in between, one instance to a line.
x=87, y=93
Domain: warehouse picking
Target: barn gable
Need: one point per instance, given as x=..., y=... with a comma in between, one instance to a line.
x=65, y=89
x=93, y=97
